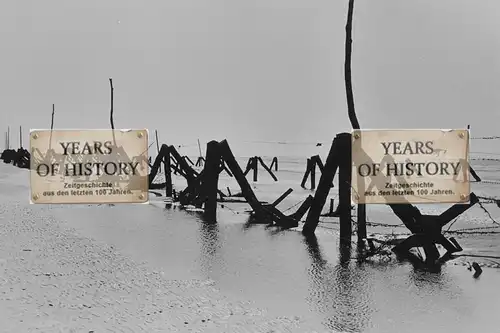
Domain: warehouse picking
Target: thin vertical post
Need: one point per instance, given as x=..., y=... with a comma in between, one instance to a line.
x=345, y=175
x=350, y=101
x=52, y=125
x=246, y=189
x=313, y=173
x=199, y=147
x=168, y=175
x=361, y=223
x=255, y=168
x=158, y=152
x=321, y=193
x=111, y=112
x=274, y=163
x=306, y=174
x=211, y=180
x=20, y=137
x=347, y=67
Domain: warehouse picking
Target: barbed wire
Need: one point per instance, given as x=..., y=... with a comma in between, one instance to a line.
x=295, y=205
x=319, y=143
x=484, y=153
x=494, y=137
x=494, y=182
x=485, y=159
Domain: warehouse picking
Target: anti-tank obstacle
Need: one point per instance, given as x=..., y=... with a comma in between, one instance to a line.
x=312, y=163
x=20, y=157
x=202, y=190
x=253, y=165
x=426, y=229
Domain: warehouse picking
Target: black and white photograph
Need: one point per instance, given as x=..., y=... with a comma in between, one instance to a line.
x=227, y=166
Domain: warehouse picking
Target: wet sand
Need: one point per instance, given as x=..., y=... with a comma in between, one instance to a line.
x=144, y=268
x=55, y=279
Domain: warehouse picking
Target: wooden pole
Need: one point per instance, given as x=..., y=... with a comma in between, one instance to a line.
x=157, y=163
x=306, y=174
x=187, y=159
x=52, y=125
x=158, y=152
x=168, y=174
x=199, y=147
x=324, y=186
x=471, y=170
x=268, y=169
x=20, y=137
x=303, y=208
x=166, y=166
x=255, y=168
x=282, y=197
x=246, y=189
x=211, y=180
x=111, y=120
x=361, y=223
x=8, y=137
x=319, y=163
x=189, y=173
x=456, y=210
x=313, y=173
x=350, y=99
x=249, y=166
x=347, y=68
x=345, y=174
x=274, y=163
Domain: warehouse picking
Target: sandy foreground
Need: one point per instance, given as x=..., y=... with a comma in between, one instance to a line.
x=54, y=280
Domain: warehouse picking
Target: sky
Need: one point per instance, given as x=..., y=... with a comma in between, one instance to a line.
x=249, y=70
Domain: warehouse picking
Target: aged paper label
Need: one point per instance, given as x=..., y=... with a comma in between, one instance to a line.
x=89, y=166
x=410, y=166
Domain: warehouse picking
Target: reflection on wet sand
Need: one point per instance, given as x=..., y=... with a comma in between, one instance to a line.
x=210, y=244
x=293, y=276
x=341, y=292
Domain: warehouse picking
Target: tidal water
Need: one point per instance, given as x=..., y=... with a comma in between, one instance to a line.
x=290, y=275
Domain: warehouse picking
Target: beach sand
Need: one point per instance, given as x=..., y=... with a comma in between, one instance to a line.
x=140, y=268
x=55, y=280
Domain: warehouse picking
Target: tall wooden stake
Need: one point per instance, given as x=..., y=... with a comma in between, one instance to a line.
x=8, y=137
x=199, y=147
x=345, y=174
x=350, y=102
x=313, y=174
x=52, y=125
x=324, y=185
x=471, y=170
x=211, y=180
x=164, y=162
x=111, y=111
x=168, y=174
x=157, y=146
x=20, y=137
x=347, y=68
